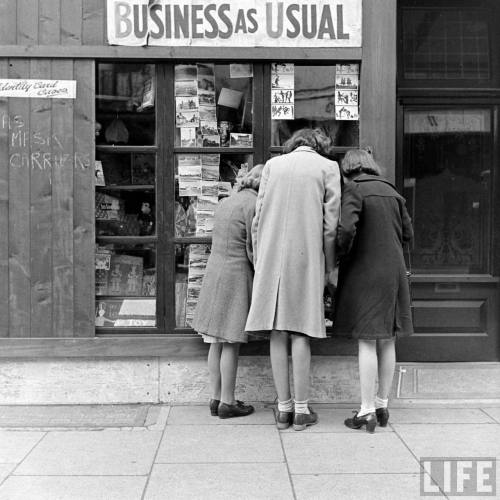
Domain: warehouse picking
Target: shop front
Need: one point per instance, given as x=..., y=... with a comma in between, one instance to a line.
x=111, y=175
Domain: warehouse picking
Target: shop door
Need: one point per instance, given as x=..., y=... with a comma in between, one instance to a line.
x=449, y=161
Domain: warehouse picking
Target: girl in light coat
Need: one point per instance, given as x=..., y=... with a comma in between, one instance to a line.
x=293, y=235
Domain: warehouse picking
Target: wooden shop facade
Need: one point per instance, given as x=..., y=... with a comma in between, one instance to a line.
x=124, y=122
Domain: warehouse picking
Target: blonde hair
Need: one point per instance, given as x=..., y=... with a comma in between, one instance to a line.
x=359, y=161
x=252, y=178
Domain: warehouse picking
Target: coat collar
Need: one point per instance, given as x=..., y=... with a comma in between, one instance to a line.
x=304, y=148
x=370, y=178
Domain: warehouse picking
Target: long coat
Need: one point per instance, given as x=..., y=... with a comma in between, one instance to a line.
x=226, y=290
x=293, y=230
x=373, y=298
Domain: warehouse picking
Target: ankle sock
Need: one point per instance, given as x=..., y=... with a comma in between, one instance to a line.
x=285, y=405
x=381, y=403
x=301, y=407
x=365, y=410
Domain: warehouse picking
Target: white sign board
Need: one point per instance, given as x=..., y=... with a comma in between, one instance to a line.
x=62, y=89
x=239, y=23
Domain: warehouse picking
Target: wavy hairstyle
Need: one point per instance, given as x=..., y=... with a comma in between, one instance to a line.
x=252, y=178
x=314, y=138
x=359, y=161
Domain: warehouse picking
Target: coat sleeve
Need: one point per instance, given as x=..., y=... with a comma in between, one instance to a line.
x=258, y=210
x=331, y=214
x=407, y=225
x=249, y=215
x=352, y=203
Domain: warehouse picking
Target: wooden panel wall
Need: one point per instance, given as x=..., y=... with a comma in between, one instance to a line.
x=378, y=82
x=47, y=204
x=52, y=22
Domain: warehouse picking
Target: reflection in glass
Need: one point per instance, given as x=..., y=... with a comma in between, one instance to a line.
x=125, y=112
x=445, y=43
x=315, y=107
x=214, y=104
x=447, y=186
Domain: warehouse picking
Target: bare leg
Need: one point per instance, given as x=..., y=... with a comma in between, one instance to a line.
x=214, y=354
x=228, y=368
x=279, y=364
x=367, y=353
x=386, y=355
x=301, y=364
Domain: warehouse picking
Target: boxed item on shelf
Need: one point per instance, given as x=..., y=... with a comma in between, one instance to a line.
x=149, y=283
x=108, y=207
x=125, y=275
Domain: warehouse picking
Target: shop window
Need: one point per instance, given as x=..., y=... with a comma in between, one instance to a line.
x=315, y=105
x=447, y=186
x=446, y=41
x=173, y=140
x=125, y=199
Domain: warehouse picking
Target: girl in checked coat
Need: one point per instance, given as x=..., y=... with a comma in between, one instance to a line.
x=293, y=235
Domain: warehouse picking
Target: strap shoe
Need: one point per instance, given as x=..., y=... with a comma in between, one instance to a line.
x=369, y=420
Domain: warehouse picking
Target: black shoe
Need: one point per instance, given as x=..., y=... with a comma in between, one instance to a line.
x=382, y=416
x=303, y=420
x=214, y=406
x=284, y=419
x=237, y=410
x=369, y=420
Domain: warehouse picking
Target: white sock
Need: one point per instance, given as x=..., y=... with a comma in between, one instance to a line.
x=285, y=405
x=301, y=407
x=381, y=403
x=365, y=410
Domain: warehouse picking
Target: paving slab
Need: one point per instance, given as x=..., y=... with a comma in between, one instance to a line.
x=332, y=420
x=219, y=482
x=357, y=451
x=359, y=487
x=494, y=413
x=200, y=415
x=14, y=445
x=102, y=453
x=436, y=440
x=73, y=415
x=453, y=441
x=220, y=443
x=439, y=416
x=5, y=470
x=73, y=488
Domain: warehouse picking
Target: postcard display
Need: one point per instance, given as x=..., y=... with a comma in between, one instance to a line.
x=347, y=92
x=198, y=175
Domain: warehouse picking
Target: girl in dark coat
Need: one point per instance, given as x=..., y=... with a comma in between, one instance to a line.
x=373, y=296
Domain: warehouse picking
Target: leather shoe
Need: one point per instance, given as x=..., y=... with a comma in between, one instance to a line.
x=239, y=409
x=382, y=416
x=284, y=419
x=303, y=420
x=214, y=407
x=369, y=420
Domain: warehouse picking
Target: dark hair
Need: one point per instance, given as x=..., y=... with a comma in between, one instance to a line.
x=314, y=138
x=359, y=161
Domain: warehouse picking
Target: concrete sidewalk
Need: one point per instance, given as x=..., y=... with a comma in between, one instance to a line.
x=134, y=452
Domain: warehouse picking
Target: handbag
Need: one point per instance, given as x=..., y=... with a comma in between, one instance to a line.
x=409, y=274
